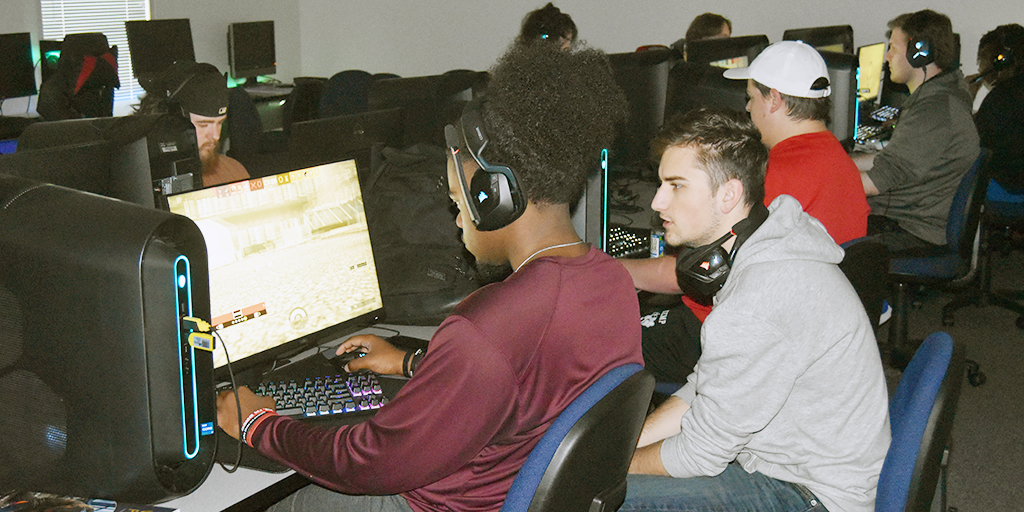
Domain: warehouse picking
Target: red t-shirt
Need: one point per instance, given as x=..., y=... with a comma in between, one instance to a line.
x=815, y=169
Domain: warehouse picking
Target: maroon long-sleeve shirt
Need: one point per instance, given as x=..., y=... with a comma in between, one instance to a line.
x=499, y=370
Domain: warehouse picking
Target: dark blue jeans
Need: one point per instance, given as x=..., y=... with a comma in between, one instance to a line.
x=733, y=490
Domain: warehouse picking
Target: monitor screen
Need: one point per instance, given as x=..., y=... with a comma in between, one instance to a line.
x=871, y=59
x=837, y=38
x=290, y=260
x=726, y=52
x=156, y=44
x=17, y=71
x=693, y=86
x=251, y=49
x=643, y=78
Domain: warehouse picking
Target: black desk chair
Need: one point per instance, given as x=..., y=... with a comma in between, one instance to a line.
x=580, y=463
x=921, y=414
x=952, y=264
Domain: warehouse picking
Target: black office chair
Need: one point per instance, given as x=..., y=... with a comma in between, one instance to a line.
x=303, y=103
x=83, y=86
x=921, y=413
x=866, y=265
x=345, y=93
x=953, y=264
x=581, y=462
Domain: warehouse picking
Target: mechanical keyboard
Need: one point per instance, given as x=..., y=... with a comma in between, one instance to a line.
x=628, y=242
x=879, y=125
x=325, y=396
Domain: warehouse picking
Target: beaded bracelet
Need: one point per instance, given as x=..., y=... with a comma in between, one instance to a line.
x=251, y=421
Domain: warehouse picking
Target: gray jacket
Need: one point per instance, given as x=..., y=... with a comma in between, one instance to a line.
x=933, y=145
x=790, y=380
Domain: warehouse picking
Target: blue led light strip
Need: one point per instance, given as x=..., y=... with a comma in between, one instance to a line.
x=190, y=452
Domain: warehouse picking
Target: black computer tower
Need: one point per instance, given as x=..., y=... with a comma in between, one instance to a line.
x=101, y=393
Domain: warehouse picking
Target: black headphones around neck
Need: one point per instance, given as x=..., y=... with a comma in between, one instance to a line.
x=494, y=196
x=701, y=271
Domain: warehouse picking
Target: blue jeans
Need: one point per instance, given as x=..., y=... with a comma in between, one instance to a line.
x=733, y=490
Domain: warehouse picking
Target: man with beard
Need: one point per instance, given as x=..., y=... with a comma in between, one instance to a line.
x=198, y=92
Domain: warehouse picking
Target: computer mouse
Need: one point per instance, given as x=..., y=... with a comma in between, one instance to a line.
x=341, y=360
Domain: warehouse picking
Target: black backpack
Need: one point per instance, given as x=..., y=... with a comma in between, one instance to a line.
x=423, y=266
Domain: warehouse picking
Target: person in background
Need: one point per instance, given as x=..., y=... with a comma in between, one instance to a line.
x=789, y=100
x=513, y=354
x=1000, y=119
x=709, y=26
x=548, y=24
x=787, y=407
x=910, y=183
x=198, y=92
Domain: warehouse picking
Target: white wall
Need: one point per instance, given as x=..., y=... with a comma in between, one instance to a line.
x=410, y=37
x=414, y=38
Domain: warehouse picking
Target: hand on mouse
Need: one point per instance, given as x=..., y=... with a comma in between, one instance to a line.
x=380, y=356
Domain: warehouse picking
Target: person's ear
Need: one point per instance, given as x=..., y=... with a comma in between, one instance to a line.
x=776, y=100
x=730, y=195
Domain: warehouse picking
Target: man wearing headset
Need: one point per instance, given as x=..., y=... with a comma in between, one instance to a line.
x=787, y=407
x=910, y=183
x=513, y=354
x=1000, y=119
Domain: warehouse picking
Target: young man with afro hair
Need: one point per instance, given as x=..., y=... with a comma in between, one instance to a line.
x=513, y=354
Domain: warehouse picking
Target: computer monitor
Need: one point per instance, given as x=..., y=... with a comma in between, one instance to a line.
x=728, y=52
x=871, y=60
x=590, y=213
x=139, y=159
x=330, y=139
x=692, y=86
x=842, y=77
x=643, y=78
x=17, y=71
x=156, y=44
x=251, y=50
x=836, y=38
x=291, y=265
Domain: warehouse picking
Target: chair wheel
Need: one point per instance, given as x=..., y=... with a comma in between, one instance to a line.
x=974, y=374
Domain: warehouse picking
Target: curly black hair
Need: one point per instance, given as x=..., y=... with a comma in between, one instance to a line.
x=549, y=113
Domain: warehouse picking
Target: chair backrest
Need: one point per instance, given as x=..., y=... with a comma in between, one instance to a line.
x=866, y=265
x=303, y=102
x=580, y=463
x=965, y=211
x=921, y=414
x=245, y=128
x=346, y=93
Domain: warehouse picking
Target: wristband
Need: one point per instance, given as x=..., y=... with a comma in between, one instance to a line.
x=405, y=365
x=414, y=361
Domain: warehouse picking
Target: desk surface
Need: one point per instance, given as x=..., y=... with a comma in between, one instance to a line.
x=229, y=491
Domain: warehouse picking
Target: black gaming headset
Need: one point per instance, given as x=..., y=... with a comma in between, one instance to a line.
x=919, y=52
x=702, y=271
x=494, y=196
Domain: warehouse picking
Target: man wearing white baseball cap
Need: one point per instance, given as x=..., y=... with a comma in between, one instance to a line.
x=789, y=101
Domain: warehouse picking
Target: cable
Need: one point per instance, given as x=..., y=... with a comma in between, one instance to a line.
x=238, y=404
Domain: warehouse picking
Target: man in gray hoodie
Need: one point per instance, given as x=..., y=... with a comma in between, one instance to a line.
x=787, y=407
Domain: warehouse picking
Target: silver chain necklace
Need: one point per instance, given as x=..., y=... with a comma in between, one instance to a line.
x=546, y=249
